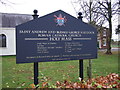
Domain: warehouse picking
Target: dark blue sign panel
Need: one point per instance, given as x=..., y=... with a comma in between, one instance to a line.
x=55, y=37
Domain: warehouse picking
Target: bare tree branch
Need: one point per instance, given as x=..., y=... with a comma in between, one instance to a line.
x=101, y=12
x=6, y=2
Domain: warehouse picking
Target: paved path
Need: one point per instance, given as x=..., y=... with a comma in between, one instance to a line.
x=113, y=49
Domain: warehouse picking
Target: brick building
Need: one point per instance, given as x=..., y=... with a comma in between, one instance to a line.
x=102, y=37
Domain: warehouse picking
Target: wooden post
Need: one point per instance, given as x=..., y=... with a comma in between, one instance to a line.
x=89, y=69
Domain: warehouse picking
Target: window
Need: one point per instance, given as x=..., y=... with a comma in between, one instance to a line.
x=2, y=40
x=104, y=33
x=104, y=42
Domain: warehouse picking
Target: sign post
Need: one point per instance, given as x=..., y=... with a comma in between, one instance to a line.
x=36, y=73
x=81, y=71
x=35, y=16
x=81, y=75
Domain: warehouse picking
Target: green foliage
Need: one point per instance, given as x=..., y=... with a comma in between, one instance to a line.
x=99, y=86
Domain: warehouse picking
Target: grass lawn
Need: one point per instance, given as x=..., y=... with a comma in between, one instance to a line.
x=115, y=45
x=21, y=75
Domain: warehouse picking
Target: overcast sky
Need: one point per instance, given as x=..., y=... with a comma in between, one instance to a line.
x=43, y=6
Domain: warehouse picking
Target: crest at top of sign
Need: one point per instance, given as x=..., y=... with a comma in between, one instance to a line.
x=60, y=20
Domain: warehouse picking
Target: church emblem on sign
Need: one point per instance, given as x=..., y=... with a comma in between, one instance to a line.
x=60, y=20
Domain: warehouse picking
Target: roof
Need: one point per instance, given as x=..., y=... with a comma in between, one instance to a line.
x=12, y=20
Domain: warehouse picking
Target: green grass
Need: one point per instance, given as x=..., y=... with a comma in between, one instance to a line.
x=115, y=45
x=21, y=75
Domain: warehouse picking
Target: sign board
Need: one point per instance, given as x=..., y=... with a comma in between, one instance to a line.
x=57, y=36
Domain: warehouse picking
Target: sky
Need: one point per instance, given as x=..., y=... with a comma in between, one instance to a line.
x=44, y=7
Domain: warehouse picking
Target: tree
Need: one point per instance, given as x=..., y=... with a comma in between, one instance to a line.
x=87, y=7
x=107, y=10
x=100, y=12
x=92, y=18
x=2, y=2
x=6, y=2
